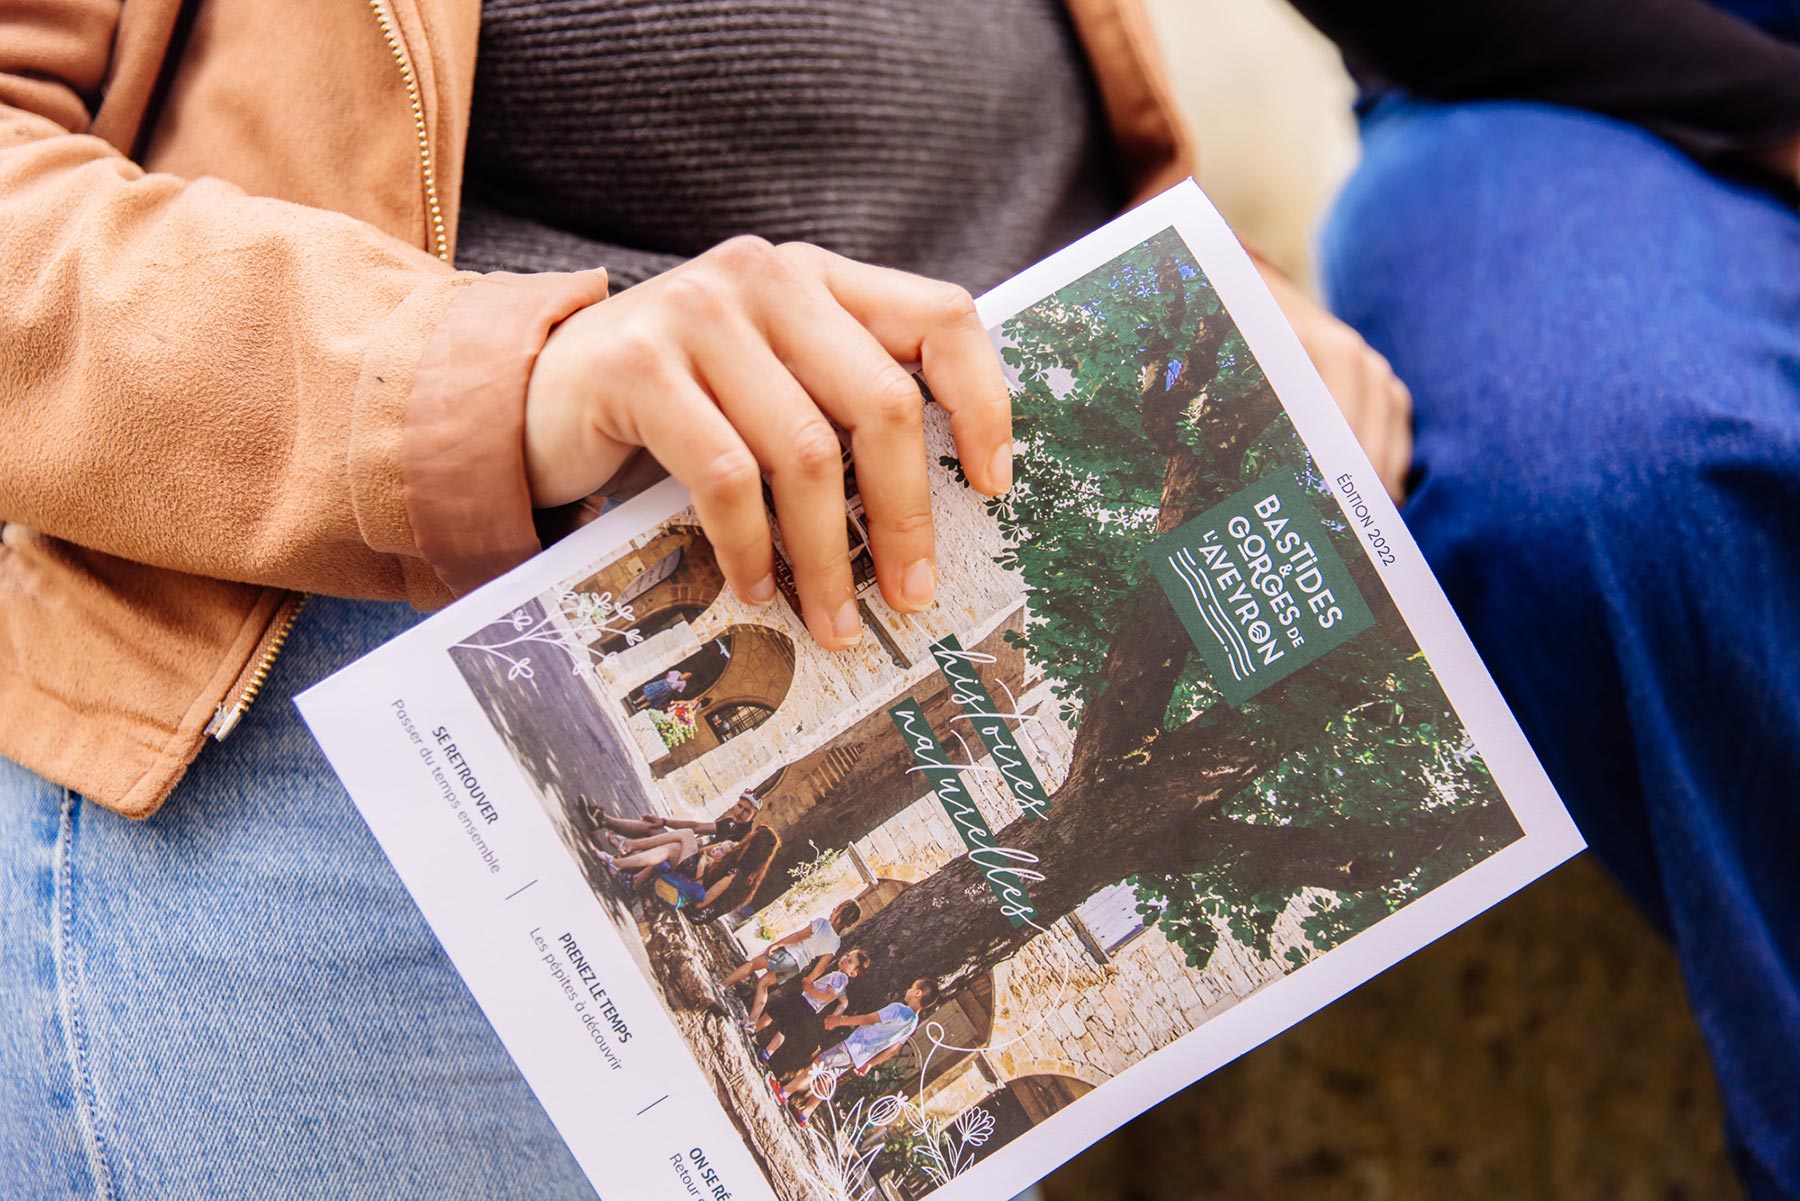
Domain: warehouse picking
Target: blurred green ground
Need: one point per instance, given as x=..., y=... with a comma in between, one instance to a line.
x=1544, y=1052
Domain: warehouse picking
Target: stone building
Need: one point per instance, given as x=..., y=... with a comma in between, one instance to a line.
x=810, y=733
x=1096, y=993
x=762, y=697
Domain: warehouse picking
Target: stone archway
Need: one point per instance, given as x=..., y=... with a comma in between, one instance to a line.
x=674, y=570
x=1044, y=1093
x=740, y=678
x=967, y=1023
x=671, y=617
x=1024, y=1064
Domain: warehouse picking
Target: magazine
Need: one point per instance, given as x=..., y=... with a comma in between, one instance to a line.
x=1189, y=745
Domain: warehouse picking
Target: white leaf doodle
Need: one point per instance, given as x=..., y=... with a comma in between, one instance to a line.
x=580, y=610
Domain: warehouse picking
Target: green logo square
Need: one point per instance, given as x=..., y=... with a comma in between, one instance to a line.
x=1259, y=586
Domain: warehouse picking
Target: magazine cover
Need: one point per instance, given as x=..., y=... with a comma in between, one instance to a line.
x=1189, y=745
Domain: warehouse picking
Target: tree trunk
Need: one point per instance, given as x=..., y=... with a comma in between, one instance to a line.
x=949, y=927
x=1139, y=799
x=860, y=779
x=1101, y=829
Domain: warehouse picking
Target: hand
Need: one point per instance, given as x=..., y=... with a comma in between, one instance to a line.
x=1373, y=400
x=655, y=820
x=740, y=363
x=834, y=1022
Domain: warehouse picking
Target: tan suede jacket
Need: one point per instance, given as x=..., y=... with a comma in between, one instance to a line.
x=236, y=365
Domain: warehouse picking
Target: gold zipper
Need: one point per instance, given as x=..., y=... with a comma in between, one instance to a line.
x=256, y=673
x=440, y=243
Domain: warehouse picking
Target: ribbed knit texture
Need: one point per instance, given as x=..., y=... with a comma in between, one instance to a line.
x=955, y=138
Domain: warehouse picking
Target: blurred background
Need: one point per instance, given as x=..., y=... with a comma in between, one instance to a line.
x=1542, y=1052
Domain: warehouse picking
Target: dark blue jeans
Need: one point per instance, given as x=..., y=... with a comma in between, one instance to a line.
x=1603, y=341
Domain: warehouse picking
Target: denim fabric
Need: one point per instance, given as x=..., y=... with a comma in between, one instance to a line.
x=237, y=998
x=1603, y=342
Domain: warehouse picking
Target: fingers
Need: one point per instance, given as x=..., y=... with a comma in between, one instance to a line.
x=1348, y=378
x=935, y=324
x=1374, y=402
x=1398, y=442
x=887, y=438
x=1384, y=421
x=690, y=436
x=745, y=362
x=803, y=458
x=851, y=377
x=1377, y=406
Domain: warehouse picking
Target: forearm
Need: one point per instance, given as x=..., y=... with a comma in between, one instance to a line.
x=230, y=385
x=1701, y=77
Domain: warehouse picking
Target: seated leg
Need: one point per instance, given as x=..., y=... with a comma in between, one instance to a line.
x=1603, y=342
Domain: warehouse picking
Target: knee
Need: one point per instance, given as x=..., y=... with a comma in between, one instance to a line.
x=1565, y=503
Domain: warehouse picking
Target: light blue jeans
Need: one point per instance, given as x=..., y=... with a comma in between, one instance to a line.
x=237, y=998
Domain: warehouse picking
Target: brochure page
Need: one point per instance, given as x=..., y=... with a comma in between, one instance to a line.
x=1189, y=745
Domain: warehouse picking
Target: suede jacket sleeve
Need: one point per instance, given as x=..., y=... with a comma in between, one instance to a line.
x=240, y=387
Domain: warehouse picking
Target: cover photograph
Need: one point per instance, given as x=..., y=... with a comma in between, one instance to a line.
x=1189, y=745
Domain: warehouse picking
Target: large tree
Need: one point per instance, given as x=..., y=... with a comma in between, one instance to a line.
x=859, y=779
x=1140, y=407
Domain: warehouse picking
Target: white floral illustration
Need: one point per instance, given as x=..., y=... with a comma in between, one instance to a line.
x=974, y=1127
x=582, y=610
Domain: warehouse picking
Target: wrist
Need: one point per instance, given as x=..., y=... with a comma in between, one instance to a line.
x=567, y=456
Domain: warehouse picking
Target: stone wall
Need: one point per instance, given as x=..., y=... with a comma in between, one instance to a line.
x=1062, y=1006
x=829, y=693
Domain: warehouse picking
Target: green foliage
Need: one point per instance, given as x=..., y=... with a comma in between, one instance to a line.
x=1339, y=917
x=814, y=878
x=1089, y=474
x=1105, y=395
x=1394, y=760
x=890, y=1078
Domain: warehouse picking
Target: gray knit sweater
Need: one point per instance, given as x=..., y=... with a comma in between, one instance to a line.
x=956, y=138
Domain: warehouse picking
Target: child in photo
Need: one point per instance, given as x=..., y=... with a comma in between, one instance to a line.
x=664, y=688
x=789, y=956
x=792, y=1029
x=874, y=1039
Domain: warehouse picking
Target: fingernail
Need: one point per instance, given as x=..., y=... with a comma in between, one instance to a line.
x=1000, y=470
x=761, y=592
x=847, y=625
x=919, y=584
